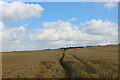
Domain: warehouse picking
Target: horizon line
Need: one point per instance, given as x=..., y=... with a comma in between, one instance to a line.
x=57, y=48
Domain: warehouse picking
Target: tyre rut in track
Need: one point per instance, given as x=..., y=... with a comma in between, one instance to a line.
x=67, y=72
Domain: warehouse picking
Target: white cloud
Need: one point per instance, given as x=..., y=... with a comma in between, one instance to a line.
x=1, y=27
x=98, y=27
x=25, y=25
x=53, y=31
x=109, y=5
x=61, y=33
x=107, y=30
x=13, y=34
x=14, y=38
x=18, y=10
x=22, y=28
x=73, y=19
x=76, y=27
x=18, y=47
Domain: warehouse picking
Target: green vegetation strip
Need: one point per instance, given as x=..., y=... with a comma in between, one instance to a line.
x=66, y=68
x=75, y=71
x=87, y=68
x=79, y=59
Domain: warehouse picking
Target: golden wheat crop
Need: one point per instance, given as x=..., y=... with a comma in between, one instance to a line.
x=88, y=62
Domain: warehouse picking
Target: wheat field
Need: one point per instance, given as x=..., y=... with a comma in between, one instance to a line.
x=88, y=62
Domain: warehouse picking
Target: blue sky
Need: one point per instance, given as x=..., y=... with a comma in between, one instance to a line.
x=63, y=0
x=60, y=24
x=64, y=11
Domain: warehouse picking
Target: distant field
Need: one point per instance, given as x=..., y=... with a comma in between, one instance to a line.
x=88, y=62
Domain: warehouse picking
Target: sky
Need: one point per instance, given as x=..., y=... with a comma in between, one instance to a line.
x=42, y=25
x=63, y=0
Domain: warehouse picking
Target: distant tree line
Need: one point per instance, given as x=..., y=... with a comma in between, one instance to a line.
x=65, y=48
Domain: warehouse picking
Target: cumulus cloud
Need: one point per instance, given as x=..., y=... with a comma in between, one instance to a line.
x=18, y=47
x=25, y=25
x=63, y=33
x=18, y=10
x=73, y=19
x=60, y=34
x=109, y=5
x=11, y=35
x=107, y=30
x=98, y=27
x=14, y=38
x=1, y=27
x=52, y=31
